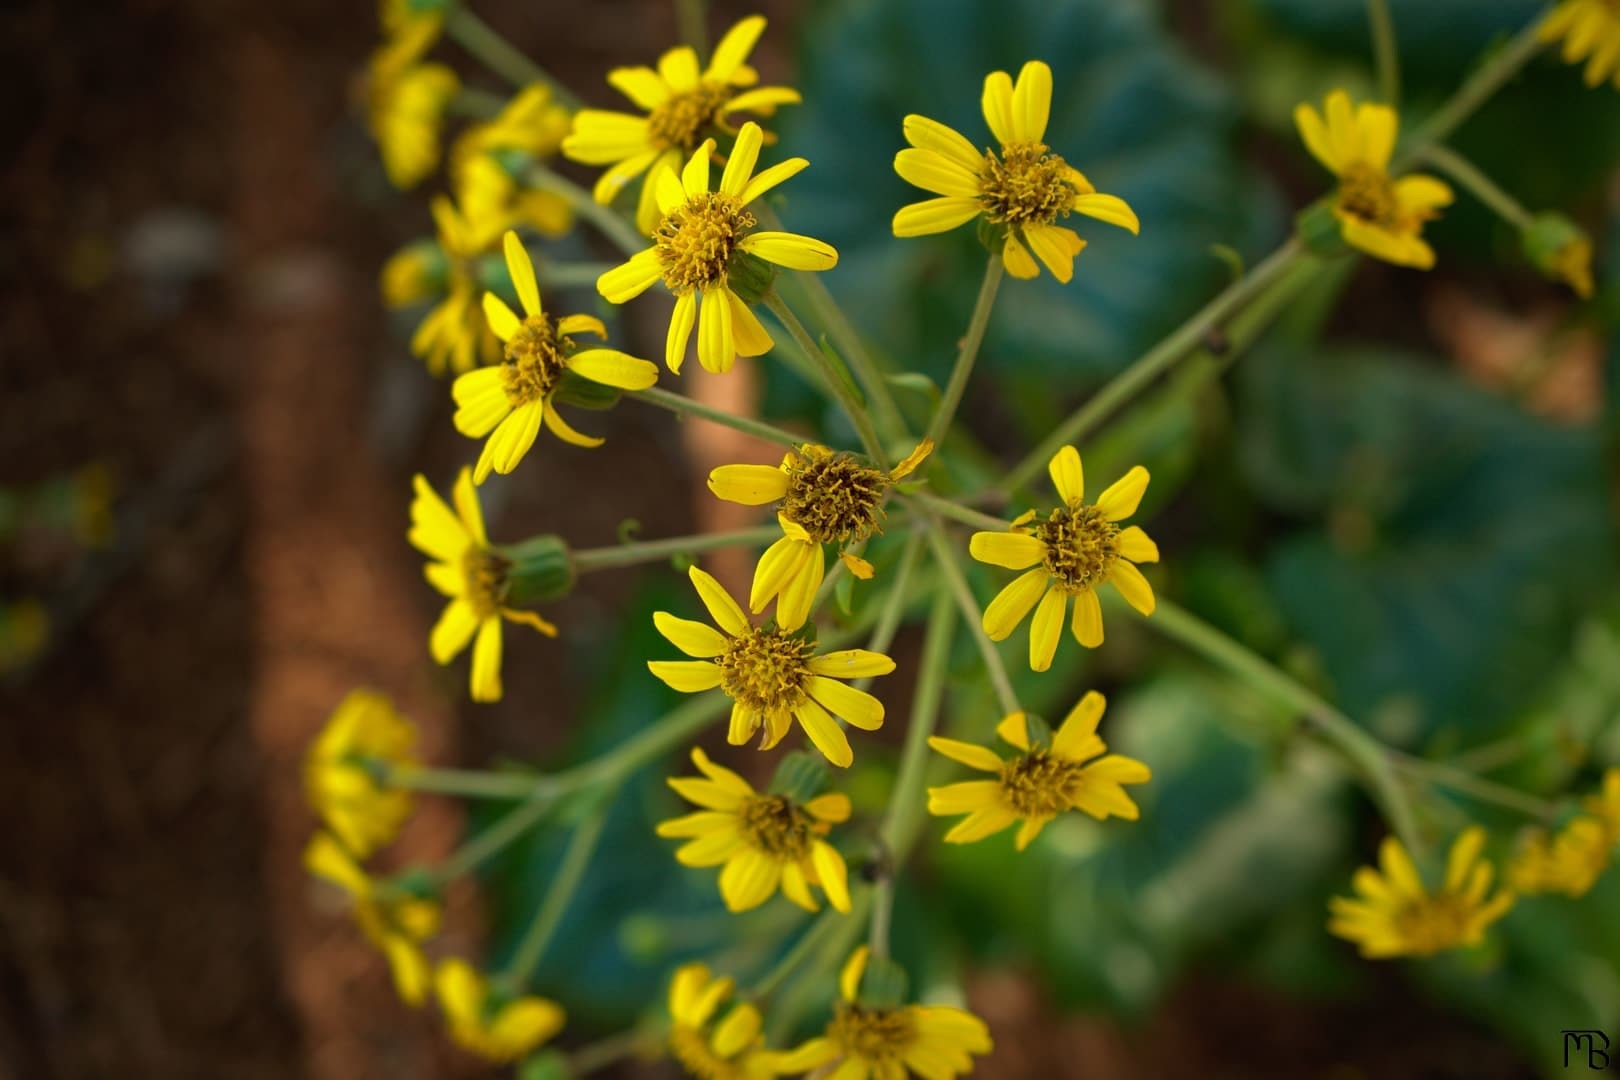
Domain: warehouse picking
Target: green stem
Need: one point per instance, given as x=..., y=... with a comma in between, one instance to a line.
x=495, y=53
x=685, y=406
x=950, y=566
x=1181, y=341
x=1384, y=50
x=841, y=387
x=1481, y=186
x=1364, y=752
x=496, y=838
x=469, y=783
x=947, y=508
x=1460, y=780
x=569, y=275
x=608, y=222
x=691, y=20
x=969, y=352
x=894, y=605
x=475, y=103
x=1475, y=92
x=806, y=945
x=569, y=874
x=645, y=551
x=850, y=345
x=607, y=1051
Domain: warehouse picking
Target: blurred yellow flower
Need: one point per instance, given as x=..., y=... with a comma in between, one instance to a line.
x=1377, y=214
x=1075, y=550
x=531, y=125
x=406, y=101
x=396, y=923
x=826, y=497
x=1571, y=861
x=338, y=776
x=1025, y=189
x=772, y=676
x=702, y=233
x=683, y=106
x=733, y=1050
x=509, y=401
x=1572, y=264
x=495, y=1026
x=454, y=335
x=1040, y=781
x=473, y=575
x=1395, y=915
x=887, y=1041
x=1591, y=32
x=396, y=16
x=765, y=841
x=412, y=274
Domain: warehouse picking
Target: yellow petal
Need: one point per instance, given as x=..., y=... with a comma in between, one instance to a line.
x=1008, y=609
x=750, y=485
x=725, y=612
x=769, y=178
x=701, y=823
x=481, y=401
x=824, y=733
x=790, y=250
x=740, y=165
x=1464, y=854
x=1109, y=208
x=630, y=279
x=687, y=676
x=521, y=267
x=695, y=176
x=325, y=857
x=1124, y=495
x=452, y=632
x=1056, y=247
x=796, y=886
x=1086, y=623
x=1378, y=124
x=833, y=807
x=849, y=979
x=781, y=563
x=1014, y=551
x=972, y=755
x=641, y=85
x=909, y=464
x=937, y=173
x=1046, y=629
x=1418, y=193
x=1080, y=725
x=1135, y=545
x=851, y=664
x=934, y=216
x=1132, y=586
x=560, y=428
x=502, y=321
x=740, y=1027
x=980, y=824
x=798, y=593
x=926, y=134
x=749, y=879
x=1029, y=831
x=856, y=565
x=855, y=707
x=435, y=529
x=1314, y=132
x=511, y=439
x=750, y=337
x=613, y=368
x=1068, y=477
x=581, y=324
x=832, y=874
x=1020, y=264
x=1014, y=729
x=471, y=515
x=692, y=638
x=964, y=797
x=1032, y=102
x=717, y=350
x=602, y=137
x=680, y=331
x=486, y=662
x=732, y=51
x=679, y=68
x=997, y=104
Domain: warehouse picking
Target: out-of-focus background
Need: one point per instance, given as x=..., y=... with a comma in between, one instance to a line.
x=208, y=424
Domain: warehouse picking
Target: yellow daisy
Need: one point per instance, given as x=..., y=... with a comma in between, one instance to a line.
x=683, y=105
x=1591, y=32
x=396, y=923
x=1025, y=189
x=338, y=777
x=454, y=335
x=1040, y=781
x=763, y=840
x=1075, y=550
x=1571, y=861
x=772, y=676
x=1377, y=214
x=406, y=101
x=532, y=126
x=473, y=575
x=826, y=497
x=695, y=243
x=733, y=1050
x=496, y=1027
x=888, y=1041
x=1395, y=915
x=412, y=274
x=508, y=401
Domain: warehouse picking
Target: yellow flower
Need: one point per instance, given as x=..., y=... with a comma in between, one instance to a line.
x=396, y=923
x=772, y=676
x=412, y=274
x=396, y=16
x=1025, y=189
x=1571, y=861
x=473, y=575
x=494, y=1026
x=826, y=497
x=1076, y=549
x=531, y=124
x=763, y=840
x=683, y=105
x=406, y=101
x=694, y=245
x=1591, y=32
x=734, y=1049
x=1605, y=806
x=1040, y=781
x=511, y=399
x=455, y=335
x=1572, y=264
x=1377, y=214
x=1395, y=915
x=338, y=779
x=885, y=1042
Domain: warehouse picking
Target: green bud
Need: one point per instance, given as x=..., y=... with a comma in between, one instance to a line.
x=993, y=235
x=1558, y=248
x=800, y=776
x=577, y=390
x=546, y=1065
x=1320, y=231
x=883, y=985
x=541, y=570
x=750, y=277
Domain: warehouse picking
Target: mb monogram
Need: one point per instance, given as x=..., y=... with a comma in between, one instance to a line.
x=1586, y=1047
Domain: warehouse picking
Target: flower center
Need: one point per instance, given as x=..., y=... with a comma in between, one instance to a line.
x=1367, y=193
x=835, y=497
x=692, y=1050
x=873, y=1035
x=1028, y=184
x=775, y=825
x=485, y=576
x=534, y=360
x=765, y=670
x=1081, y=546
x=696, y=241
x=1039, y=785
x=679, y=122
x=1434, y=923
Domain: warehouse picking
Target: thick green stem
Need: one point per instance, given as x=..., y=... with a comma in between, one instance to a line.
x=950, y=566
x=497, y=54
x=477, y=104
x=948, y=508
x=1443, y=775
x=685, y=406
x=850, y=345
x=802, y=949
x=1472, y=94
x=969, y=352
x=607, y=221
x=1481, y=186
x=845, y=393
x=691, y=21
x=1181, y=341
x=1365, y=753
x=1384, y=51
x=644, y=551
x=468, y=783
x=611, y=1050
x=496, y=838
x=894, y=605
x=569, y=874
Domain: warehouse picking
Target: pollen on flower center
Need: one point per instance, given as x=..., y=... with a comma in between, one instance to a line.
x=1081, y=546
x=679, y=122
x=1435, y=923
x=873, y=1035
x=691, y=1049
x=775, y=825
x=1368, y=194
x=1039, y=785
x=1028, y=184
x=485, y=575
x=695, y=242
x=534, y=360
x=835, y=498
x=765, y=670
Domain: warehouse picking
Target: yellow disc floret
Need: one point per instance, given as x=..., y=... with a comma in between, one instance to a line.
x=696, y=241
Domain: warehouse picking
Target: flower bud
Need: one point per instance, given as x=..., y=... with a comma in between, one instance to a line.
x=1561, y=250
x=541, y=569
x=574, y=390
x=800, y=776
x=750, y=277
